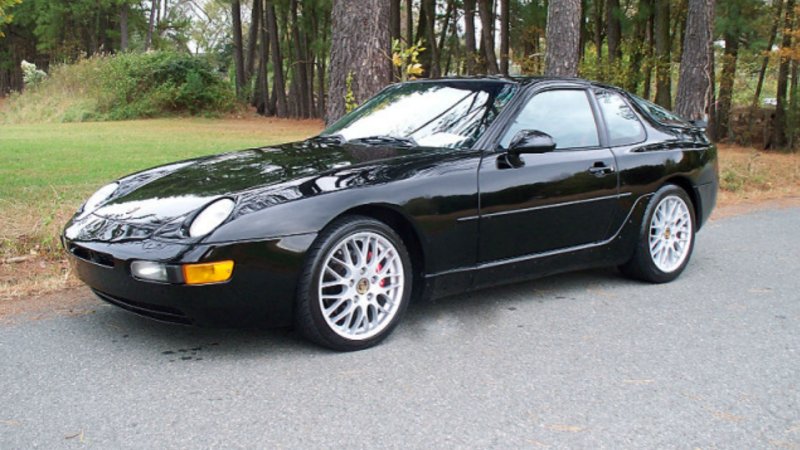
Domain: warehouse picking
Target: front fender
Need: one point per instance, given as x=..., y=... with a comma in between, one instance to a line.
x=436, y=207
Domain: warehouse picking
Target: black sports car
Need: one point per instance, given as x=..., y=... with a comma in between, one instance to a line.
x=428, y=189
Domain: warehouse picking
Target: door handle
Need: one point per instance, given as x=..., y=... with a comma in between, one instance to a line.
x=600, y=168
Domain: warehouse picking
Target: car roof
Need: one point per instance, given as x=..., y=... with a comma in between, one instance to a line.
x=520, y=80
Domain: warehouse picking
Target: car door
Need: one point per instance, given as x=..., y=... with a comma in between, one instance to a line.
x=541, y=203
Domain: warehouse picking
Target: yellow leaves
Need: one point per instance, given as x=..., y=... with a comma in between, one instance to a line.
x=350, y=102
x=406, y=58
x=415, y=69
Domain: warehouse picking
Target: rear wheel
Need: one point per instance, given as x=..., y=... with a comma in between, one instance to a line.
x=356, y=285
x=666, y=238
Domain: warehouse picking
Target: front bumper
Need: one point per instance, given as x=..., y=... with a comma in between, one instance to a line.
x=260, y=292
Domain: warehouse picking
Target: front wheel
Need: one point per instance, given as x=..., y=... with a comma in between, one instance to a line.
x=356, y=285
x=666, y=238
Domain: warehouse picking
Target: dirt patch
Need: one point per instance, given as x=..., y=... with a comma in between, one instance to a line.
x=74, y=301
x=31, y=275
x=748, y=175
x=750, y=206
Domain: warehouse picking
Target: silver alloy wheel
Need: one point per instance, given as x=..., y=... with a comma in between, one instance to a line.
x=361, y=285
x=670, y=233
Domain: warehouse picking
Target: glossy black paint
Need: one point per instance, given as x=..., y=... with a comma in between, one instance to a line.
x=470, y=217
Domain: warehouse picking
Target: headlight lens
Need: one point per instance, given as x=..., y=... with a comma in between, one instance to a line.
x=99, y=197
x=211, y=217
x=150, y=270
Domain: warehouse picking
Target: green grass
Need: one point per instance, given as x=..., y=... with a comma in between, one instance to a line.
x=72, y=159
x=47, y=170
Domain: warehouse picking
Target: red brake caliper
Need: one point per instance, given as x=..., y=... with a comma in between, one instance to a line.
x=382, y=283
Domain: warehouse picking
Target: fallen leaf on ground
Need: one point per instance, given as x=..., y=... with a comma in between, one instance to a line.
x=638, y=381
x=562, y=427
x=78, y=435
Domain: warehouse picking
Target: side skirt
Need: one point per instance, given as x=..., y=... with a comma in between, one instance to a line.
x=613, y=251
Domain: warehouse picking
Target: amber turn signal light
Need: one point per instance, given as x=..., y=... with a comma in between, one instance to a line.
x=206, y=273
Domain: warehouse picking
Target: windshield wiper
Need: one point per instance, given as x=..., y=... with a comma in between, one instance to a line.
x=336, y=139
x=386, y=140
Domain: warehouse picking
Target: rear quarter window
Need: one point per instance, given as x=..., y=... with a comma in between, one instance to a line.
x=622, y=123
x=658, y=114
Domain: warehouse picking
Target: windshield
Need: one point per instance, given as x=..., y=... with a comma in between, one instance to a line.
x=445, y=114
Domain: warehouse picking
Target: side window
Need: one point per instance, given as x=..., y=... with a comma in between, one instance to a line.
x=623, y=126
x=566, y=115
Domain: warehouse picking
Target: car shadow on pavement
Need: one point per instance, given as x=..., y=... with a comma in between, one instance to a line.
x=178, y=343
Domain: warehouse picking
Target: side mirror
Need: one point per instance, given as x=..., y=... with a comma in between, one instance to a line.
x=531, y=141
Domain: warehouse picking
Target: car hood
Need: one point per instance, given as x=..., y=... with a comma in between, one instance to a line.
x=255, y=178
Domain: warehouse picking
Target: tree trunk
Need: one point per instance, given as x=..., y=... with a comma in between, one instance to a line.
x=323, y=25
x=505, y=25
x=252, y=41
x=711, y=111
x=278, y=84
x=359, y=49
x=443, y=34
x=487, y=34
x=584, y=30
x=563, y=38
x=794, y=125
x=765, y=62
x=148, y=41
x=261, y=95
x=309, y=56
x=729, y=60
x=455, y=48
x=614, y=31
x=299, y=74
x=238, y=57
x=643, y=14
x=469, y=37
x=679, y=18
x=694, y=84
x=662, y=60
x=123, y=26
x=431, y=53
x=598, y=29
x=779, y=135
x=649, y=60
x=394, y=19
x=410, y=22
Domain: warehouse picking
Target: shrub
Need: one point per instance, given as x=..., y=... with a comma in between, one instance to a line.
x=125, y=86
x=31, y=76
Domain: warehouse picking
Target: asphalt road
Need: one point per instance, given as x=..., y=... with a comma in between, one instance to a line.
x=580, y=360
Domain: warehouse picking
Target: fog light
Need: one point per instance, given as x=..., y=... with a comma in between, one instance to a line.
x=205, y=273
x=149, y=270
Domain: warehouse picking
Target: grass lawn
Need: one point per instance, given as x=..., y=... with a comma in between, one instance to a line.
x=40, y=162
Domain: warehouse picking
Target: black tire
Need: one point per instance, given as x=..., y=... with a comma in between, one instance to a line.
x=641, y=266
x=309, y=318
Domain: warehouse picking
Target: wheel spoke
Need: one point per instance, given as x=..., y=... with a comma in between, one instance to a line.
x=348, y=312
x=336, y=305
